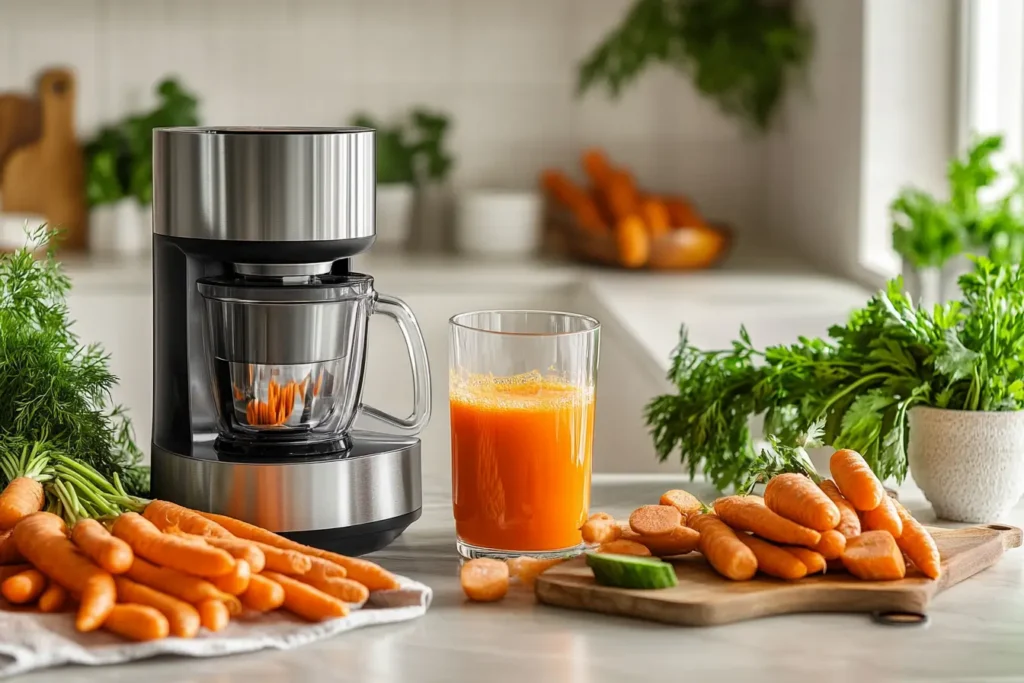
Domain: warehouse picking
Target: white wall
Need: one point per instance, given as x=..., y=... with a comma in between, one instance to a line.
x=505, y=69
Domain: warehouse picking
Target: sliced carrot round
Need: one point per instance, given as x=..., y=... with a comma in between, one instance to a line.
x=484, y=579
x=655, y=520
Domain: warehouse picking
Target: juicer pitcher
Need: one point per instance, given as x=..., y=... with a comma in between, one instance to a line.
x=287, y=357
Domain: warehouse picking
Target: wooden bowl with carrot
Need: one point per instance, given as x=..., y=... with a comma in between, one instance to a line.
x=613, y=223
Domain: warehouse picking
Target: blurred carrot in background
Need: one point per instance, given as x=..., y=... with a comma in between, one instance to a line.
x=632, y=241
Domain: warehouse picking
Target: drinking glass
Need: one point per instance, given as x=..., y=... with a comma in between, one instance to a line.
x=522, y=392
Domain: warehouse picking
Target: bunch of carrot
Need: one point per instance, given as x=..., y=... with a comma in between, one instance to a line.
x=798, y=528
x=613, y=204
x=167, y=571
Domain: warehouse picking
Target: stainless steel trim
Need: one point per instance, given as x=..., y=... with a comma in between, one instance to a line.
x=297, y=496
x=264, y=184
x=283, y=270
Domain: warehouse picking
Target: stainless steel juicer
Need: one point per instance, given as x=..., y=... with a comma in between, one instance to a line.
x=260, y=337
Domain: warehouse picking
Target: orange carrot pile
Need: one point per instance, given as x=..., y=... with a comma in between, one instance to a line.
x=173, y=571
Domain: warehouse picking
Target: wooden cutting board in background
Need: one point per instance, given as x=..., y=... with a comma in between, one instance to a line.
x=703, y=598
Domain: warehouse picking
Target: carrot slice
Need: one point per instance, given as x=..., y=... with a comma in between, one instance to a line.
x=849, y=522
x=831, y=545
x=108, y=552
x=773, y=560
x=683, y=501
x=306, y=601
x=263, y=595
x=749, y=513
x=600, y=531
x=624, y=547
x=526, y=569
x=679, y=541
x=918, y=544
x=484, y=579
x=182, y=618
x=655, y=520
x=855, y=480
x=883, y=518
x=722, y=549
x=137, y=622
x=796, y=498
x=812, y=560
x=874, y=556
x=600, y=515
x=23, y=588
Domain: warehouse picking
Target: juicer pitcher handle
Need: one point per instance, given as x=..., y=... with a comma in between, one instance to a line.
x=395, y=308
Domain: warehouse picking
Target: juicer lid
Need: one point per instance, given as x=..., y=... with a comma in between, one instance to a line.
x=314, y=290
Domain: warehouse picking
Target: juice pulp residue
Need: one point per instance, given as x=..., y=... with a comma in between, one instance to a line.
x=521, y=459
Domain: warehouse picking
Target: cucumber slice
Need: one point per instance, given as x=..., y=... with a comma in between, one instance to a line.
x=631, y=571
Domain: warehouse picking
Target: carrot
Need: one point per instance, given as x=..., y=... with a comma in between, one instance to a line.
x=773, y=560
x=596, y=165
x=849, y=522
x=137, y=622
x=23, y=588
x=371, y=575
x=345, y=590
x=166, y=515
x=526, y=569
x=883, y=518
x=484, y=579
x=186, y=555
x=308, y=602
x=631, y=241
x=21, y=498
x=655, y=217
x=722, y=549
x=213, y=615
x=238, y=548
x=874, y=556
x=53, y=598
x=623, y=547
x=237, y=581
x=41, y=539
x=9, y=549
x=918, y=544
x=682, y=214
x=855, y=480
x=290, y=561
x=600, y=531
x=796, y=498
x=110, y=553
x=655, y=520
x=558, y=186
x=681, y=500
x=262, y=595
x=814, y=561
x=191, y=589
x=182, y=617
x=679, y=541
x=599, y=515
x=749, y=513
x=831, y=545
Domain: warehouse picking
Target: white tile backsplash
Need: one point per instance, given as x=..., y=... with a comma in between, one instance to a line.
x=504, y=69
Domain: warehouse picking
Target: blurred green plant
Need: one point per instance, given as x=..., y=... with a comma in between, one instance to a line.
x=740, y=53
x=119, y=160
x=927, y=232
x=411, y=150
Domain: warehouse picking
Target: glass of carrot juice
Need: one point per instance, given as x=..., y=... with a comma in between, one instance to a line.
x=521, y=390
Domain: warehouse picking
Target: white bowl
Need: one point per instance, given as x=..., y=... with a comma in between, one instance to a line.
x=498, y=222
x=968, y=464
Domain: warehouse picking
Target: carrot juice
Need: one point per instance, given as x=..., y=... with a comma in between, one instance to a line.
x=521, y=457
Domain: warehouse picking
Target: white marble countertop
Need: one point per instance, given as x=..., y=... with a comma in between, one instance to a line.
x=976, y=630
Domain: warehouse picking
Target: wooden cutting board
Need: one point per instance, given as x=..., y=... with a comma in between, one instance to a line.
x=703, y=598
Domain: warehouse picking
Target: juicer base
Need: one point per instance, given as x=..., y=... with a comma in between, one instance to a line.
x=352, y=504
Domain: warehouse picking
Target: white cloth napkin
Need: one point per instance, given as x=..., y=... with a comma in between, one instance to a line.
x=31, y=640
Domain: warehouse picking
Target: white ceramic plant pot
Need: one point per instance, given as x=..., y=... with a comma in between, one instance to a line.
x=119, y=229
x=498, y=222
x=969, y=464
x=394, y=214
